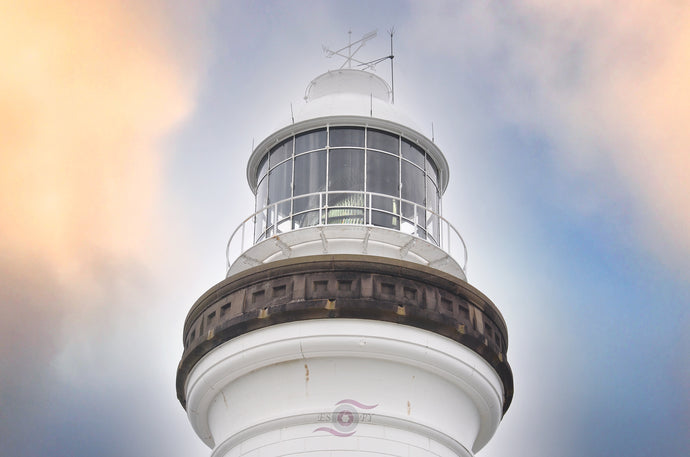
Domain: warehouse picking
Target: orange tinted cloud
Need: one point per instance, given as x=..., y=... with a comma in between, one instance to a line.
x=649, y=114
x=87, y=90
x=608, y=82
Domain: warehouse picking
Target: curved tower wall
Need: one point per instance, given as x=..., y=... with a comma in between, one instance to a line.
x=345, y=325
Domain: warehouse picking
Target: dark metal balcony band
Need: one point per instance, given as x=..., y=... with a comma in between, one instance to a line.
x=346, y=286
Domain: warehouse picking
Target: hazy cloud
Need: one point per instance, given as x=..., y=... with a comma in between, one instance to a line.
x=604, y=82
x=88, y=91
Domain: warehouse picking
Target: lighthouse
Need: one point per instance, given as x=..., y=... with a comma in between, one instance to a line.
x=345, y=325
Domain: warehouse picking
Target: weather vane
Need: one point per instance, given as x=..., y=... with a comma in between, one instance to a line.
x=349, y=58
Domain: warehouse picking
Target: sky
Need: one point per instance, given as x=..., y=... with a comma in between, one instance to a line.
x=125, y=128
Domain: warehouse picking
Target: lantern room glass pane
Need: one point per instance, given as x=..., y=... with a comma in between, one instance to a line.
x=261, y=197
x=316, y=139
x=279, y=188
x=388, y=216
x=280, y=182
x=383, y=173
x=383, y=141
x=306, y=219
x=345, y=215
x=308, y=202
x=263, y=167
x=261, y=194
x=310, y=173
x=281, y=152
x=412, y=153
x=354, y=199
x=347, y=136
x=346, y=169
x=431, y=195
x=431, y=170
x=412, y=184
x=433, y=221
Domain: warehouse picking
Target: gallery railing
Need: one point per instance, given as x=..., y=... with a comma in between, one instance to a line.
x=349, y=208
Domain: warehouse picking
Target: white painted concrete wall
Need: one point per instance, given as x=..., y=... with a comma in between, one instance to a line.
x=269, y=391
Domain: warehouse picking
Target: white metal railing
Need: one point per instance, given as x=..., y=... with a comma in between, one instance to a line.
x=346, y=208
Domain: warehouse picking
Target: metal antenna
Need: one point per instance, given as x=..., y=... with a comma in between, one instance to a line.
x=391, y=32
x=349, y=49
x=349, y=58
x=372, y=64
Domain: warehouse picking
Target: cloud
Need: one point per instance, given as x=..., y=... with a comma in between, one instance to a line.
x=605, y=83
x=88, y=93
x=599, y=91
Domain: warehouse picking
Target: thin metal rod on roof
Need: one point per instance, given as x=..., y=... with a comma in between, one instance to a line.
x=391, y=32
x=292, y=114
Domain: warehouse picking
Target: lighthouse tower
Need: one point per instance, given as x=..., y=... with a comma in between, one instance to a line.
x=345, y=325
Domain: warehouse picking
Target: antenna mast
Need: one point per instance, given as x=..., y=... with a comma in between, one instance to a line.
x=391, y=32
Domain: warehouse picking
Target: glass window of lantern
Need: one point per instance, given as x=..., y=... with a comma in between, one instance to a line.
x=383, y=141
x=383, y=173
x=431, y=170
x=260, y=220
x=383, y=177
x=433, y=222
x=316, y=139
x=346, y=173
x=346, y=169
x=413, y=187
x=412, y=153
x=310, y=177
x=281, y=152
x=280, y=182
x=346, y=136
x=413, y=190
x=412, y=183
x=261, y=194
x=431, y=195
x=279, y=188
x=263, y=167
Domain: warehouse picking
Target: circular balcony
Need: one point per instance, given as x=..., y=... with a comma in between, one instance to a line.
x=347, y=222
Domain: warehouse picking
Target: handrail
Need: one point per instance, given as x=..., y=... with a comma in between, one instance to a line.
x=444, y=237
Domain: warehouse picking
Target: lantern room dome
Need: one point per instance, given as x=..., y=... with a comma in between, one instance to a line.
x=351, y=92
x=350, y=81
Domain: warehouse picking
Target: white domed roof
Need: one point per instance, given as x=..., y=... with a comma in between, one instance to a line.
x=347, y=81
x=351, y=93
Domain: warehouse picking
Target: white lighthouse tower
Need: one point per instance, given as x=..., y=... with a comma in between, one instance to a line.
x=345, y=326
